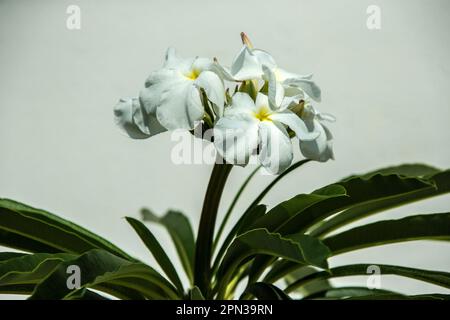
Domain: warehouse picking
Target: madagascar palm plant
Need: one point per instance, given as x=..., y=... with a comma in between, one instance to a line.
x=276, y=253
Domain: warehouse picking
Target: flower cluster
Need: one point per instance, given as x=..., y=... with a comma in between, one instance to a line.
x=253, y=107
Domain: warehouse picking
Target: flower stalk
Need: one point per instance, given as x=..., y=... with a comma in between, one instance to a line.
x=205, y=235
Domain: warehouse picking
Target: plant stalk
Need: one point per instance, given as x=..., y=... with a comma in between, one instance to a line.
x=205, y=235
x=230, y=209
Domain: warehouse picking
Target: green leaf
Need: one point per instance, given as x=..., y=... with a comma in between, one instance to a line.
x=407, y=170
x=301, y=272
x=266, y=291
x=354, y=292
x=441, y=185
x=358, y=190
x=180, y=231
x=99, y=267
x=85, y=294
x=244, y=224
x=433, y=296
x=285, y=212
x=24, y=243
x=282, y=268
x=43, y=230
x=428, y=226
x=10, y=255
x=137, y=279
x=20, y=274
x=157, y=251
x=196, y=294
x=278, y=178
x=435, y=277
x=311, y=290
x=17, y=289
x=30, y=269
x=300, y=248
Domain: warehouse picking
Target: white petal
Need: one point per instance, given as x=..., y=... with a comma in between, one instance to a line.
x=296, y=124
x=132, y=118
x=214, y=89
x=236, y=138
x=222, y=71
x=275, y=152
x=293, y=92
x=240, y=103
x=326, y=117
x=264, y=58
x=172, y=60
x=275, y=90
x=246, y=66
x=180, y=106
x=161, y=75
x=202, y=64
x=308, y=86
x=156, y=83
x=321, y=148
x=151, y=96
x=261, y=101
x=282, y=75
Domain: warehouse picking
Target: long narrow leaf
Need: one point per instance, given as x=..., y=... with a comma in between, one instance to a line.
x=157, y=251
x=358, y=190
x=20, y=274
x=427, y=226
x=435, y=277
x=48, y=230
x=99, y=267
x=441, y=182
x=266, y=291
x=180, y=231
x=30, y=269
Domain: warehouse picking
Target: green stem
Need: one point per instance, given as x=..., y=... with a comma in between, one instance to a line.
x=203, y=249
x=233, y=204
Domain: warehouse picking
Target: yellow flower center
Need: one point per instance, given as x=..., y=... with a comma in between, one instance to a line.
x=263, y=114
x=192, y=74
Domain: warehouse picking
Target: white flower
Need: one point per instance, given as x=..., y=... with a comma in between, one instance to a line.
x=248, y=65
x=172, y=93
x=134, y=120
x=248, y=126
x=321, y=148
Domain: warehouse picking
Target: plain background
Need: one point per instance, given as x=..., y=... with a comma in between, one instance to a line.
x=60, y=149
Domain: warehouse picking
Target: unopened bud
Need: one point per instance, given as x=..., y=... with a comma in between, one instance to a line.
x=246, y=40
x=298, y=108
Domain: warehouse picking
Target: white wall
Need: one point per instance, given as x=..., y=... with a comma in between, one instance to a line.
x=60, y=150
